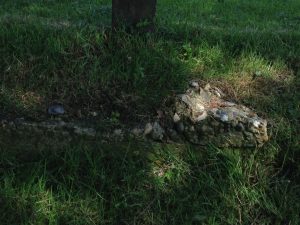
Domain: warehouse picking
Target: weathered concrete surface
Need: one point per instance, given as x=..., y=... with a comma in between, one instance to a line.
x=203, y=117
x=200, y=116
x=132, y=13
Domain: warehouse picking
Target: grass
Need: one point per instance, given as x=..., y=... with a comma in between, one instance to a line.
x=142, y=184
x=63, y=51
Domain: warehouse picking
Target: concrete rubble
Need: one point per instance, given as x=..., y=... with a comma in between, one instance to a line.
x=200, y=116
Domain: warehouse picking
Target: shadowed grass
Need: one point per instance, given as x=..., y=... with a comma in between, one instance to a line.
x=63, y=51
x=137, y=183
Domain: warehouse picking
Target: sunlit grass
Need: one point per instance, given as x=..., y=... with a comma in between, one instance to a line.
x=130, y=183
x=64, y=51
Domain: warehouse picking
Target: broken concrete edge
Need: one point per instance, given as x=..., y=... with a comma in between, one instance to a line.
x=200, y=116
x=151, y=132
x=204, y=116
x=69, y=130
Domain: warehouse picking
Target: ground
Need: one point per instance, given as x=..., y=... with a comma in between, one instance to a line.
x=64, y=51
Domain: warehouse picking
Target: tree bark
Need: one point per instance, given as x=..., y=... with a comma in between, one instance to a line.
x=137, y=14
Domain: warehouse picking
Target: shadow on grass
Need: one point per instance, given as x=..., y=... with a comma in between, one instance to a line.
x=83, y=66
x=53, y=181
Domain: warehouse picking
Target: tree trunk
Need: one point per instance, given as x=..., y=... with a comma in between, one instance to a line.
x=137, y=14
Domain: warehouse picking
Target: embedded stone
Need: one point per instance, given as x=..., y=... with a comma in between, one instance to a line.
x=148, y=129
x=194, y=84
x=200, y=117
x=84, y=131
x=137, y=131
x=176, y=118
x=157, y=132
x=118, y=132
x=56, y=109
x=218, y=121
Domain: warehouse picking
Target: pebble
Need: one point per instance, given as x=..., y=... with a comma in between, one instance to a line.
x=199, y=107
x=148, y=129
x=240, y=127
x=137, y=131
x=224, y=118
x=201, y=117
x=192, y=128
x=256, y=123
x=218, y=92
x=173, y=135
x=56, y=110
x=179, y=127
x=94, y=114
x=228, y=104
x=176, y=118
x=222, y=115
x=207, y=87
x=194, y=85
x=79, y=113
x=157, y=132
x=205, y=95
x=118, y=132
x=84, y=131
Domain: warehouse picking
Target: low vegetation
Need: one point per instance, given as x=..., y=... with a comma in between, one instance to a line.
x=64, y=51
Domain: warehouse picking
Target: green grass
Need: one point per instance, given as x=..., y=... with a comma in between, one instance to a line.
x=59, y=50
x=64, y=51
x=138, y=183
